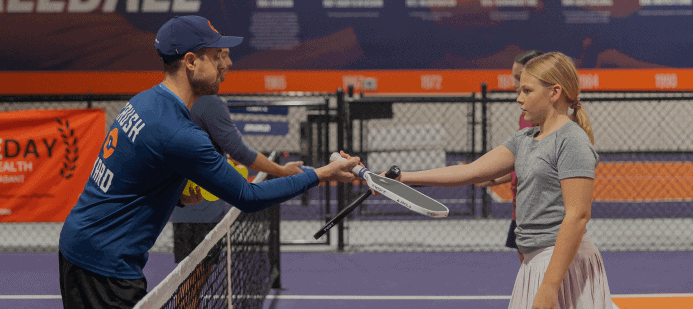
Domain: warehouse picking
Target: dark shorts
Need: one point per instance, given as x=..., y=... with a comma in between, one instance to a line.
x=186, y=236
x=81, y=288
x=510, y=242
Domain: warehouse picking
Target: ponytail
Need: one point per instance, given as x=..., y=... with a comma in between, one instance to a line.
x=581, y=118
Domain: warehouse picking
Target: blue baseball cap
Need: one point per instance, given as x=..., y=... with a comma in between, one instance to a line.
x=184, y=34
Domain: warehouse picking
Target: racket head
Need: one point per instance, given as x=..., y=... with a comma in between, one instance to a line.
x=406, y=196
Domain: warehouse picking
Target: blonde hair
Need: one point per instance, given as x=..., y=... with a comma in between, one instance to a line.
x=558, y=69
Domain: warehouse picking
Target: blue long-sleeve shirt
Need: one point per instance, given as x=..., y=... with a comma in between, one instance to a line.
x=212, y=115
x=138, y=177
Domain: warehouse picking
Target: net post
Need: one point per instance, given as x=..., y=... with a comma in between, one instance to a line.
x=348, y=143
x=473, y=150
x=485, y=211
x=341, y=115
x=327, y=120
x=275, y=242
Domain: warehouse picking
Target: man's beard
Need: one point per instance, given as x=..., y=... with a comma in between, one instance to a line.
x=202, y=87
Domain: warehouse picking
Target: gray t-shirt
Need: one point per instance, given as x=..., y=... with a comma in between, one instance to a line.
x=540, y=165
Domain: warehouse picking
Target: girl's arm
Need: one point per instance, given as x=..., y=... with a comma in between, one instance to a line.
x=497, y=162
x=577, y=197
x=497, y=181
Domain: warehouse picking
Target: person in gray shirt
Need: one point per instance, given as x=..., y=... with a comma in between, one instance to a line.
x=518, y=67
x=555, y=164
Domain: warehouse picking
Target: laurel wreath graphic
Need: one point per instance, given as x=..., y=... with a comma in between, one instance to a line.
x=71, y=149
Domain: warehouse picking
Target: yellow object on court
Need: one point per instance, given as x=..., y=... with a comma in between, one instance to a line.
x=209, y=196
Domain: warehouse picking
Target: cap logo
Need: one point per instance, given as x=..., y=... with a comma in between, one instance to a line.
x=210, y=25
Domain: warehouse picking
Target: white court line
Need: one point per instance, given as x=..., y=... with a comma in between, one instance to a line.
x=30, y=297
x=652, y=295
x=450, y=297
x=387, y=297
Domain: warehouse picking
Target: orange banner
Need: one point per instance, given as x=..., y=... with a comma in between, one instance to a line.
x=381, y=81
x=46, y=157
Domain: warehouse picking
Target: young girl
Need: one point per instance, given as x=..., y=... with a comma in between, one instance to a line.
x=555, y=164
x=518, y=66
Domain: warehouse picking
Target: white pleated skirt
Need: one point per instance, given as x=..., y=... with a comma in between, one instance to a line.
x=584, y=286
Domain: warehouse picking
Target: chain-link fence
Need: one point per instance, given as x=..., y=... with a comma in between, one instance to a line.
x=305, y=137
x=643, y=196
x=643, y=191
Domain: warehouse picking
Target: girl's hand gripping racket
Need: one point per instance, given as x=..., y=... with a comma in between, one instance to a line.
x=398, y=192
x=393, y=173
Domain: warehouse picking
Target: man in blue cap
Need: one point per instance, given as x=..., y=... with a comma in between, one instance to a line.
x=151, y=149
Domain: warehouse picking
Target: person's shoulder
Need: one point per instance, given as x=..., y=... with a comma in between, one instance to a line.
x=571, y=128
x=572, y=131
x=148, y=94
x=161, y=109
x=208, y=103
x=522, y=136
x=209, y=99
x=154, y=96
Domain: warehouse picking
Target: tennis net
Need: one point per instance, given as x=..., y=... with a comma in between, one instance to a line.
x=234, y=267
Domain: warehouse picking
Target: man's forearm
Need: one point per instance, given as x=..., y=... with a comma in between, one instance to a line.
x=263, y=164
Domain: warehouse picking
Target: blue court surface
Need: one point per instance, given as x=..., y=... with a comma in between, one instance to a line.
x=386, y=280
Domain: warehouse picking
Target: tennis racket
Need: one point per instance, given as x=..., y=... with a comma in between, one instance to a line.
x=392, y=173
x=399, y=192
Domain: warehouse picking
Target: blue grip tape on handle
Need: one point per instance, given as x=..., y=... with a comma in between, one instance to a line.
x=363, y=171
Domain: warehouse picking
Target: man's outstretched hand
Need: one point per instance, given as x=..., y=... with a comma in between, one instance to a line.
x=339, y=170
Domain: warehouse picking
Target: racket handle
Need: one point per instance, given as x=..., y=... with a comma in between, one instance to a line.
x=358, y=170
x=392, y=173
x=340, y=216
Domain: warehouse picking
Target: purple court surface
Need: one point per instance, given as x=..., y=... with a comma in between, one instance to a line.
x=374, y=280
